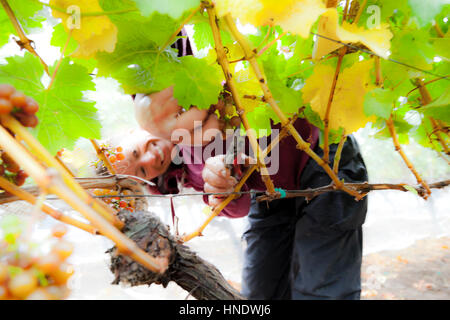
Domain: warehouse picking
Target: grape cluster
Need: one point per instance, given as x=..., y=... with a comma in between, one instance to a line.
x=10, y=170
x=115, y=155
x=31, y=274
x=116, y=202
x=227, y=112
x=23, y=108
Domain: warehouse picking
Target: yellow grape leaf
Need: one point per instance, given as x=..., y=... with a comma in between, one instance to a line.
x=245, y=79
x=93, y=33
x=299, y=18
x=376, y=39
x=233, y=52
x=295, y=16
x=248, y=84
x=244, y=10
x=327, y=28
x=347, y=108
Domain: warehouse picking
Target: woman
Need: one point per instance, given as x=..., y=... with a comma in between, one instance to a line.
x=295, y=249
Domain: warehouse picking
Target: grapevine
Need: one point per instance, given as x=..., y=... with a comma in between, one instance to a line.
x=322, y=60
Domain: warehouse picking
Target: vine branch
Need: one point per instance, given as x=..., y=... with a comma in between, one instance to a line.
x=398, y=148
x=271, y=43
x=337, y=156
x=101, y=155
x=223, y=61
x=24, y=42
x=361, y=187
x=326, y=130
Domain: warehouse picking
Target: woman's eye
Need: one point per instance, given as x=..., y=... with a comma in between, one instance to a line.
x=135, y=153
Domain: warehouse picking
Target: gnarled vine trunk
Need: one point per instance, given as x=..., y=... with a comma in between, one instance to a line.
x=197, y=276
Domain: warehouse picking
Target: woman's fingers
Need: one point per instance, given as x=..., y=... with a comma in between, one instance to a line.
x=214, y=201
x=217, y=181
x=217, y=165
x=211, y=189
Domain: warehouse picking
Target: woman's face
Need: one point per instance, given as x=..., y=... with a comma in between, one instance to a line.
x=146, y=156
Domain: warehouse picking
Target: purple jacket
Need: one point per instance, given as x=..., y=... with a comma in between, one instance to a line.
x=291, y=164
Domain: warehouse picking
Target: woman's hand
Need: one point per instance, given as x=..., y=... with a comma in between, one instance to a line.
x=217, y=178
x=160, y=114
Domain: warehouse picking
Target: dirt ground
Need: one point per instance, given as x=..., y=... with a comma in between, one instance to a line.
x=421, y=271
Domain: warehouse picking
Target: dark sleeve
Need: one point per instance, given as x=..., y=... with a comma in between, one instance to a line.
x=183, y=45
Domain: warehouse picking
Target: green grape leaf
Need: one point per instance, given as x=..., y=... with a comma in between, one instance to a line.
x=137, y=61
x=425, y=11
x=335, y=136
x=422, y=135
x=437, y=88
x=442, y=46
x=173, y=8
x=259, y=120
x=203, y=36
x=387, y=8
x=197, y=83
x=379, y=102
x=60, y=37
x=297, y=65
x=150, y=72
x=64, y=115
x=411, y=46
x=313, y=117
x=288, y=99
x=439, y=108
x=25, y=12
x=402, y=128
x=393, y=73
x=133, y=27
x=262, y=37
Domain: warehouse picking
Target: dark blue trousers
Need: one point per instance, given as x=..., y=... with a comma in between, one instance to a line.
x=308, y=250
